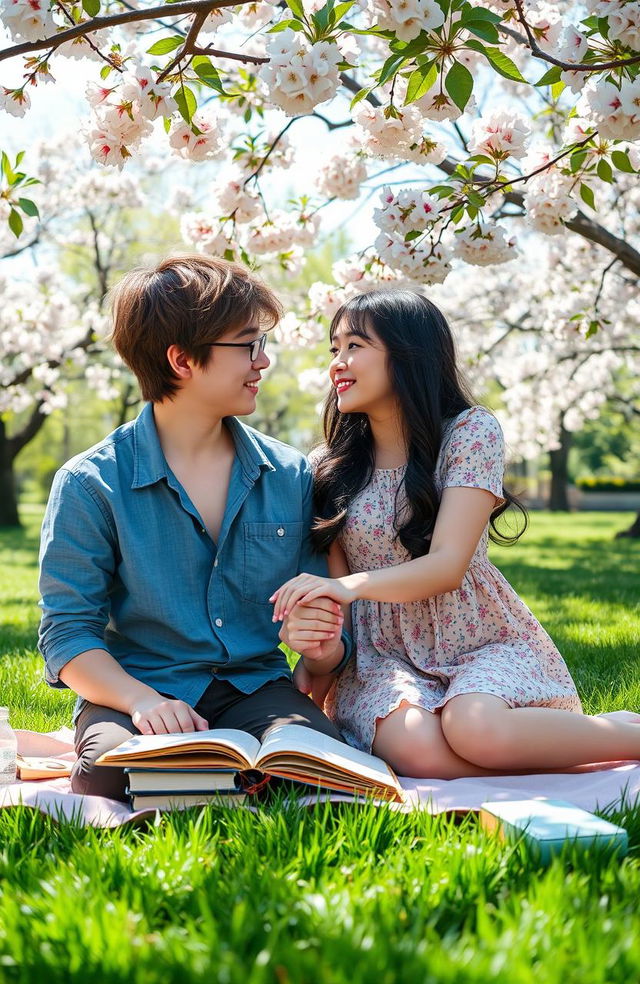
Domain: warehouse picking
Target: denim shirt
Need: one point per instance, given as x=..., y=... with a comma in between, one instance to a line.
x=127, y=565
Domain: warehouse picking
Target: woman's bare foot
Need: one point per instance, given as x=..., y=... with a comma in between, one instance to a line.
x=629, y=717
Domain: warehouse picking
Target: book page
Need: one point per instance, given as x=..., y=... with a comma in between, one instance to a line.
x=293, y=742
x=242, y=746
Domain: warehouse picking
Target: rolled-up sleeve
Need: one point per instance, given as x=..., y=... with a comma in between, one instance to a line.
x=77, y=563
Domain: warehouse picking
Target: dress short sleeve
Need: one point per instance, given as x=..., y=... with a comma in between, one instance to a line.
x=474, y=454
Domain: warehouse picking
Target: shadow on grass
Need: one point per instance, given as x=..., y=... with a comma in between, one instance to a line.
x=597, y=571
x=18, y=642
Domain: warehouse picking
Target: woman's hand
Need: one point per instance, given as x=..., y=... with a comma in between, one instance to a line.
x=305, y=588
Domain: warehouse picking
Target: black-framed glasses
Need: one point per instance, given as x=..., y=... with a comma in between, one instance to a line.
x=255, y=347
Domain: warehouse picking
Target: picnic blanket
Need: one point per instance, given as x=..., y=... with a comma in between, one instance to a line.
x=595, y=787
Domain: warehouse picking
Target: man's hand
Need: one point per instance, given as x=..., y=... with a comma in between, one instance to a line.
x=316, y=687
x=158, y=715
x=314, y=632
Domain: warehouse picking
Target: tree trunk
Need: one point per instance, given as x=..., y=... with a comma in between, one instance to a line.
x=558, y=459
x=633, y=531
x=8, y=497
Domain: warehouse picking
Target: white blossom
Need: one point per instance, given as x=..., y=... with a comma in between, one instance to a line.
x=500, y=135
x=299, y=76
x=407, y=18
x=203, y=139
x=28, y=20
x=484, y=244
x=341, y=175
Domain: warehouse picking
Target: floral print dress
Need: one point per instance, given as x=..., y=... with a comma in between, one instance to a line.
x=480, y=638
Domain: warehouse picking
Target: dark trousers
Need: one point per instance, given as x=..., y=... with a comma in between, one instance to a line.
x=99, y=729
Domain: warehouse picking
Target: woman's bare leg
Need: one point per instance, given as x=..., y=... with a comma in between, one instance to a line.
x=410, y=739
x=483, y=729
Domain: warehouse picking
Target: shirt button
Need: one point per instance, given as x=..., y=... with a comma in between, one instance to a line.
x=280, y=531
x=219, y=623
x=214, y=670
x=215, y=563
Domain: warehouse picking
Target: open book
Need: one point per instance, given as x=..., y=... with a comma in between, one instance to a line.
x=289, y=751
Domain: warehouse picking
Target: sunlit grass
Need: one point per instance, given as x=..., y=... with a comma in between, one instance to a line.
x=336, y=894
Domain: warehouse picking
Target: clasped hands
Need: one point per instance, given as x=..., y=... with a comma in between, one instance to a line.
x=312, y=618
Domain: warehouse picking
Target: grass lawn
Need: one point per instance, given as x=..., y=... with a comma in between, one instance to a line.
x=339, y=894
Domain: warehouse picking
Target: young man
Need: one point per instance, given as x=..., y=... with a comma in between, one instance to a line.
x=162, y=544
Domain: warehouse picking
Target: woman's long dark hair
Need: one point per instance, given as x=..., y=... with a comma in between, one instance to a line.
x=430, y=392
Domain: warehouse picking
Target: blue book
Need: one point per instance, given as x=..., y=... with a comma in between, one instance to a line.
x=547, y=825
x=158, y=780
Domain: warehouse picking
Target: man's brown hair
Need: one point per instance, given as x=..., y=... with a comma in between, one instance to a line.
x=188, y=301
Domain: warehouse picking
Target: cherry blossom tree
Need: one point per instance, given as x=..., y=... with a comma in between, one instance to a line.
x=511, y=127
x=53, y=326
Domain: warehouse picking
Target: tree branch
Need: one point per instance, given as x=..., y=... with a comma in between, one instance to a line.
x=18, y=441
x=537, y=51
x=188, y=46
x=234, y=55
x=99, y=23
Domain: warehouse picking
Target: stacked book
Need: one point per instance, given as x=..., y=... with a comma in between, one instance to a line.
x=224, y=766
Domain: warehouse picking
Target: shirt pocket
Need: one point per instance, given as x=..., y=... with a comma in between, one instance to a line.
x=271, y=552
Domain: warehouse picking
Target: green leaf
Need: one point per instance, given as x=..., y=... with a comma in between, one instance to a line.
x=557, y=89
x=421, y=81
x=359, y=96
x=91, y=7
x=459, y=84
x=498, y=61
x=484, y=30
x=390, y=68
x=296, y=8
x=187, y=102
x=343, y=8
x=321, y=19
x=550, y=77
x=282, y=25
x=28, y=207
x=587, y=196
x=105, y=71
x=207, y=73
x=19, y=157
x=457, y=213
x=470, y=13
x=576, y=160
x=593, y=329
x=15, y=222
x=7, y=170
x=166, y=122
x=442, y=191
x=621, y=161
x=476, y=199
x=165, y=45
x=604, y=171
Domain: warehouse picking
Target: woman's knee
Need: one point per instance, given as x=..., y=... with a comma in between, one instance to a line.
x=410, y=740
x=476, y=727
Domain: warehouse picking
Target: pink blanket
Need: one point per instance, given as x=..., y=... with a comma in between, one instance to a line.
x=596, y=787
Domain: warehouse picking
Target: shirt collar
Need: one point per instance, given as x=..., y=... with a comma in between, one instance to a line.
x=150, y=464
x=251, y=455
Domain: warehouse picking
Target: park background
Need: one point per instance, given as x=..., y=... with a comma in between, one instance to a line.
x=550, y=342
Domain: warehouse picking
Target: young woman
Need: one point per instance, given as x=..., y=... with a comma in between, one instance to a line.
x=452, y=674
